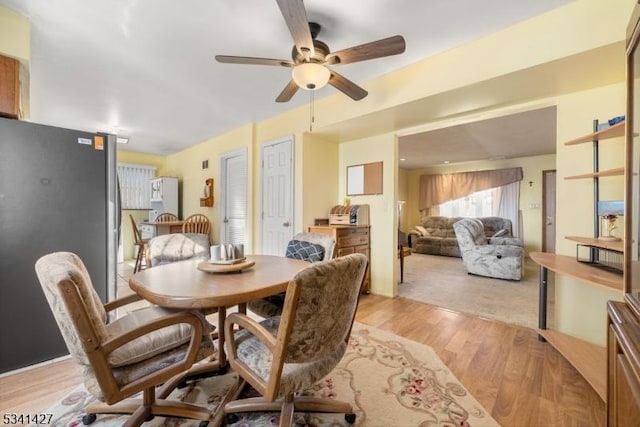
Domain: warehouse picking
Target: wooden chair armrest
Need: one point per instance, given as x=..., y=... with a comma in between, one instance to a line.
x=161, y=322
x=250, y=325
x=117, y=303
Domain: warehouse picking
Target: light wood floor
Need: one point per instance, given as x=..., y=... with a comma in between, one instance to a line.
x=520, y=381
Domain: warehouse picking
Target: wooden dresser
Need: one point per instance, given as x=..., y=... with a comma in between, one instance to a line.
x=349, y=239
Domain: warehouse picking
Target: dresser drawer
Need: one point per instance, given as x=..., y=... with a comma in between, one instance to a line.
x=353, y=240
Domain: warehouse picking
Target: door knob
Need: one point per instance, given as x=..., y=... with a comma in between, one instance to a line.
x=286, y=224
x=549, y=220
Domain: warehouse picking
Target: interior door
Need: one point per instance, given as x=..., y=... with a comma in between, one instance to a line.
x=549, y=211
x=233, y=197
x=277, y=196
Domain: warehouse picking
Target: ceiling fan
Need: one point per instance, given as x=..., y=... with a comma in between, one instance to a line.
x=311, y=57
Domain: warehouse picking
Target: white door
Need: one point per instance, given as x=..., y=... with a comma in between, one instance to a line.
x=277, y=196
x=233, y=197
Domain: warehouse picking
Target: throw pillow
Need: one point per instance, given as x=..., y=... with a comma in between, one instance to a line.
x=299, y=249
x=500, y=233
x=423, y=231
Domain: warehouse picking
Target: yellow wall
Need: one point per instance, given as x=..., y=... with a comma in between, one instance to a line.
x=15, y=35
x=580, y=308
x=187, y=166
x=382, y=208
x=319, y=184
x=532, y=168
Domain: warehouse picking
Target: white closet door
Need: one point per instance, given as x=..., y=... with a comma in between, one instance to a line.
x=233, y=197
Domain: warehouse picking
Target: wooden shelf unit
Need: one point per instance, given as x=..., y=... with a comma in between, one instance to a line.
x=569, y=266
x=599, y=174
x=590, y=360
x=614, y=131
x=612, y=245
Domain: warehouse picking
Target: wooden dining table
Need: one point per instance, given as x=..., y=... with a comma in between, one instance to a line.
x=166, y=227
x=181, y=285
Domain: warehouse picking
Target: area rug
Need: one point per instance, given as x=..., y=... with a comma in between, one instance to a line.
x=389, y=380
x=443, y=281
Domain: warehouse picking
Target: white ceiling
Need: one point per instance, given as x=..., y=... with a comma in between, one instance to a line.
x=529, y=133
x=145, y=68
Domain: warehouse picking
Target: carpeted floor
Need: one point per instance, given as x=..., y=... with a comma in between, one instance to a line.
x=389, y=380
x=443, y=281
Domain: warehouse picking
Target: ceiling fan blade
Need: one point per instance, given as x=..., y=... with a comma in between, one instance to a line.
x=296, y=18
x=253, y=61
x=288, y=92
x=346, y=86
x=378, y=49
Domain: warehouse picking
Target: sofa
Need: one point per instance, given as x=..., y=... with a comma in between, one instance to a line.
x=483, y=257
x=436, y=236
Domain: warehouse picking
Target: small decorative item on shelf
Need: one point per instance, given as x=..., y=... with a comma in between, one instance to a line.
x=207, y=200
x=607, y=225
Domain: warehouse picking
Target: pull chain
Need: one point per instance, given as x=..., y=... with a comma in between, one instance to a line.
x=311, y=110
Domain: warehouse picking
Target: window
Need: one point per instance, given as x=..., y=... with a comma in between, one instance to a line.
x=480, y=204
x=135, y=191
x=501, y=201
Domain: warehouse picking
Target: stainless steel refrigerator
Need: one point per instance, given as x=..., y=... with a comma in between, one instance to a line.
x=57, y=193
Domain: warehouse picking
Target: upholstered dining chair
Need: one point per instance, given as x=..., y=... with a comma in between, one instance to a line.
x=286, y=354
x=310, y=247
x=146, y=348
x=166, y=217
x=141, y=246
x=196, y=223
x=168, y=248
x=488, y=257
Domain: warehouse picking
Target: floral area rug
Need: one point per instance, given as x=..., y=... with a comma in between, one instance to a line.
x=389, y=380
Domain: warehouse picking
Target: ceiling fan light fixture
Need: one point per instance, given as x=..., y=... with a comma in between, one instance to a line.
x=310, y=76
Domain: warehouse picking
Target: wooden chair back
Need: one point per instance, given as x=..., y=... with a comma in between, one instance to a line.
x=196, y=223
x=136, y=232
x=166, y=217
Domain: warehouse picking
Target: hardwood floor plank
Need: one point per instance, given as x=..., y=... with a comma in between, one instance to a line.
x=519, y=380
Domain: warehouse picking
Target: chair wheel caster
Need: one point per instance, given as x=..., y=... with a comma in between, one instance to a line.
x=231, y=418
x=204, y=423
x=350, y=418
x=88, y=419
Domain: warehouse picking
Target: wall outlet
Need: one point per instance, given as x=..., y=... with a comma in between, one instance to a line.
x=534, y=205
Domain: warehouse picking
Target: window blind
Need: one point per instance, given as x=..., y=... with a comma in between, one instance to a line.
x=135, y=190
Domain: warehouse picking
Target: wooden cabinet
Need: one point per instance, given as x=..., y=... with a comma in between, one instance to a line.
x=349, y=239
x=9, y=87
x=623, y=368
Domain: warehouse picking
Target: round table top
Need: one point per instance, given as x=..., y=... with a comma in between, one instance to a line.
x=182, y=285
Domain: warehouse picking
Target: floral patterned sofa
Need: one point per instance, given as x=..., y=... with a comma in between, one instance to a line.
x=436, y=236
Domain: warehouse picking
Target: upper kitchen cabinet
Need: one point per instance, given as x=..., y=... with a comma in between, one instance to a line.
x=9, y=87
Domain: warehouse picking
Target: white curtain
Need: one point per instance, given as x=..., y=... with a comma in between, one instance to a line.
x=510, y=205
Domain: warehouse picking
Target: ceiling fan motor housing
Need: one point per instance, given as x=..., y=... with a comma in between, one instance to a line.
x=321, y=51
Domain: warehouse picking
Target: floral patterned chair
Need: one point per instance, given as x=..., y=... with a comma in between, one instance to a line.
x=148, y=348
x=168, y=248
x=499, y=258
x=286, y=354
x=310, y=247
